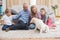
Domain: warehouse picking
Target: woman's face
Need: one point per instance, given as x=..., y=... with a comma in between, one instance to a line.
x=34, y=10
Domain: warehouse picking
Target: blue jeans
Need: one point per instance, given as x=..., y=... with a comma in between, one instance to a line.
x=5, y=26
x=19, y=26
x=32, y=26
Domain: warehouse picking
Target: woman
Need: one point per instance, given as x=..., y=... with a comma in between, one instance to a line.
x=33, y=14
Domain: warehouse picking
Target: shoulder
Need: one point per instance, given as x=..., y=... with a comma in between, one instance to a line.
x=3, y=17
x=29, y=11
x=46, y=15
x=38, y=15
x=20, y=11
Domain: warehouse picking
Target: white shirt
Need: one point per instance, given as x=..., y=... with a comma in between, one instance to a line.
x=7, y=19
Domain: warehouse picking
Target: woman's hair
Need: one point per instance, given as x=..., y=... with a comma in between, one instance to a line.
x=7, y=10
x=33, y=7
x=32, y=13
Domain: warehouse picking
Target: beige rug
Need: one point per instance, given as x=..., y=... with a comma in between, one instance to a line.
x=16, y=34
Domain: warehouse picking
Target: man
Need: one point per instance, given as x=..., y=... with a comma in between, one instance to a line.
x=23, y=17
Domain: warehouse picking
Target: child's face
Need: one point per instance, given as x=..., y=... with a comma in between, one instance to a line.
x=9, y=13
x=42, y=12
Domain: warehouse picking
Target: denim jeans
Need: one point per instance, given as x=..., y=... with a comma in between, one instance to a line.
x=5, y=26
x=32, y=26
x=19, y=26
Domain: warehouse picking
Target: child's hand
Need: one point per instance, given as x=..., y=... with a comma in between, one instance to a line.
x=2, y=22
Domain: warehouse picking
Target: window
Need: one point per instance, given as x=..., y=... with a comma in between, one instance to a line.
x=3, y=5
x=32, y=2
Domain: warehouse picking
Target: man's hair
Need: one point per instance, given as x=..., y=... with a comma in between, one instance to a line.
x=24, y=4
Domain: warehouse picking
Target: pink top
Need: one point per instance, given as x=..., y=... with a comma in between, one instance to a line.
x=38, y=15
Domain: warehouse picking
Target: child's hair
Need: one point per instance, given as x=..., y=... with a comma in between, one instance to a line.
x=42, y=9
x=7, y=10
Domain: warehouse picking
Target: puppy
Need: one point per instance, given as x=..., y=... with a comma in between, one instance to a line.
x=40, y=25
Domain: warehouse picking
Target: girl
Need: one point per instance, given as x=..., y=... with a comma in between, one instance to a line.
x=46, y=18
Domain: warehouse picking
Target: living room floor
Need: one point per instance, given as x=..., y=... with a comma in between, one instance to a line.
x=16, y=34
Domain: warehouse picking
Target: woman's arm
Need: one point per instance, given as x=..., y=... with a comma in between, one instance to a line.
x=32, y=20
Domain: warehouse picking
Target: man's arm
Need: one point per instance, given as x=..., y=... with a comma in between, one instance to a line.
x=17, y=15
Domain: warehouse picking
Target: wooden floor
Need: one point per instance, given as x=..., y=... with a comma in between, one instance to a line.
x=29, y=39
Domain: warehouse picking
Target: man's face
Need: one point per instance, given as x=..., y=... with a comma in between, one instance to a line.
x=42, y=12
x=25, y=7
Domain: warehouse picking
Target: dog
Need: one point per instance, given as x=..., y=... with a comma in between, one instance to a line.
x=40, y=25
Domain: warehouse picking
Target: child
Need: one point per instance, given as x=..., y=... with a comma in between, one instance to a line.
x=46, y=18
x=50, y=24
x=6, y=19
